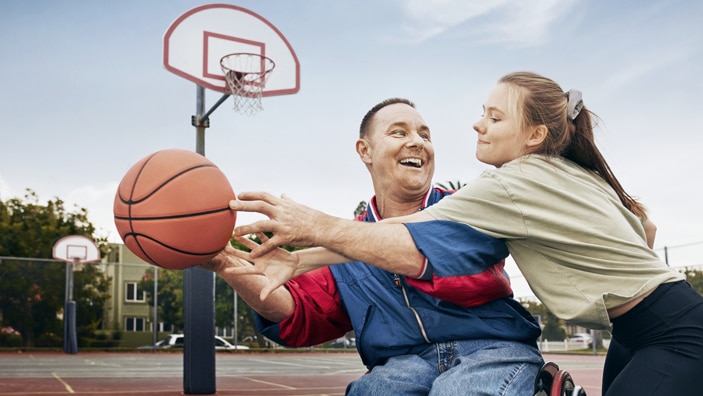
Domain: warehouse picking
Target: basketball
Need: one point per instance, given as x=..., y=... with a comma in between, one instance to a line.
x=172, y=209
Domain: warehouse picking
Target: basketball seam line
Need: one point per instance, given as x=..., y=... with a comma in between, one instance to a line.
x=178, y=216
x=136, y=180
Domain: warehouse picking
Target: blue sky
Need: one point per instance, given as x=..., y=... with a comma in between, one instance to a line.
x=85, y=95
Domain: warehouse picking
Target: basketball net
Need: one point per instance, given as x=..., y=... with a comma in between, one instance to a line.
x=246, y=76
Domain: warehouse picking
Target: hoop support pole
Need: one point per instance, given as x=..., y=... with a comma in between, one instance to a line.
x=204, y=120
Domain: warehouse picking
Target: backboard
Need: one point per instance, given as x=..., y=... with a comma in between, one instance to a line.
x=195, y=43
x=77, y=249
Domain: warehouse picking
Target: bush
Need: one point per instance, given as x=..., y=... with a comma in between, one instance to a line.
x=10, y=340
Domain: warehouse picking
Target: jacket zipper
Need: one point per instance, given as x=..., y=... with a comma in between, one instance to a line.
x=397, y=282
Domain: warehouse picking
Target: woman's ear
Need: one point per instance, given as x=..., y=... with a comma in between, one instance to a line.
x=537, y=136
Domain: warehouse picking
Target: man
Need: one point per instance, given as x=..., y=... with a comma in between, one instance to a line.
x=451, y=329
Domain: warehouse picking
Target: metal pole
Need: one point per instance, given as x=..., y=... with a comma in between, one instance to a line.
x=70, y=341
x=666, y=255
x=156, y=305
x=199, y=297
x=235, y=319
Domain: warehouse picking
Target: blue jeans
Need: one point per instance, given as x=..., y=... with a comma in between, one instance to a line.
x=475, y=367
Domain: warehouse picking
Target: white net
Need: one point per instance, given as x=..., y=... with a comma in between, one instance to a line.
x=246, y=76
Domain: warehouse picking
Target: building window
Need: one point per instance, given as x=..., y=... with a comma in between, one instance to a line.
x=133, y=292
x=134, y=324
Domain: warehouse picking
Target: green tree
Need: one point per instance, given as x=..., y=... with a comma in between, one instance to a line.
x=552, y=328
x=90, y=294
x=451, y=185
x=170, y=299
x=360, y=208
x=170, y=295
x=695, y=278
x=32, y=290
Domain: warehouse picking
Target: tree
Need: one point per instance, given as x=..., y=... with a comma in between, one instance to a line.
x=32, y=290
x=552, y=329
x=170, y=293
x=451, y=186
x=695, y=278
x=170, y=298
x=360, y=208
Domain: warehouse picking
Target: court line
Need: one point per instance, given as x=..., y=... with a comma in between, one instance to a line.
x=64, y=383
x=269, y=383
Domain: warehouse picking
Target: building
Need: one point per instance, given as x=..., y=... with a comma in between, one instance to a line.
x=127, y=311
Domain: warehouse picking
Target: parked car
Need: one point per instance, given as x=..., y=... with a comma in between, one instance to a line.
x=344, y=342
x=176, y=341
x=584, y=339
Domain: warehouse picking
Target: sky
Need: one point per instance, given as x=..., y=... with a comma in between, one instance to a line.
x=85, y=95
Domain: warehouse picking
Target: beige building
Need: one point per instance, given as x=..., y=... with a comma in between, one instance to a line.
x=128, y=311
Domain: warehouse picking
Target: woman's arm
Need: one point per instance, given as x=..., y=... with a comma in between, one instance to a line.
x=386, y=245
x=650, y=231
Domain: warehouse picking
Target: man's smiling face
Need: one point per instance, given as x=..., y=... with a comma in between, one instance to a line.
x=400, y=149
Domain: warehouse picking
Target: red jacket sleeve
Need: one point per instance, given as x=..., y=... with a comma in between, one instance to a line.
x=319, y=315
x=467, y=290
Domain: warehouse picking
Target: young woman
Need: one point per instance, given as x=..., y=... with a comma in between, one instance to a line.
x=582, y=243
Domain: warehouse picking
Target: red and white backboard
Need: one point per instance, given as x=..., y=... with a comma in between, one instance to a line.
x=76, y=249
x=198, y=39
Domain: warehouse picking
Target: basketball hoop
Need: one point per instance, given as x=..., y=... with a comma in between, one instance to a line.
x=246, y=75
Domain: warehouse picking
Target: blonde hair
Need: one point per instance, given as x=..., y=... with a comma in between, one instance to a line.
x=536, y=100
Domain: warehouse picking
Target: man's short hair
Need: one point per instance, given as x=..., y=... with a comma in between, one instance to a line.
x=364, y=128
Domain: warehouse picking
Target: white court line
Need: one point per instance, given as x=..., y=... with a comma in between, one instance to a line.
x=64, y=383
x=270, y=383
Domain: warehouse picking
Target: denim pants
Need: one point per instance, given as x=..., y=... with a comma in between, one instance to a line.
x=657, y=346
x=475, y=367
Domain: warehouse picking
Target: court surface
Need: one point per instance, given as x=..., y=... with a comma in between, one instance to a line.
x=237, y=373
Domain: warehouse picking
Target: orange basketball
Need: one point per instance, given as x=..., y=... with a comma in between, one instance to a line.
x=172, y=209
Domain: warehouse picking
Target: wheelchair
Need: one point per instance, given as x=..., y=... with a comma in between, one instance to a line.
x=551, y=381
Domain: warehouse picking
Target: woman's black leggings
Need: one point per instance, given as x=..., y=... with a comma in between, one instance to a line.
x=657, y=346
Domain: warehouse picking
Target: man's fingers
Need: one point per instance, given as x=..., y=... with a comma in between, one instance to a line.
x=265, y=247
x=251, y=206
x=257, y=196
x=253, y=228
x=248, y=243
x=244, y=270
x=241, y=254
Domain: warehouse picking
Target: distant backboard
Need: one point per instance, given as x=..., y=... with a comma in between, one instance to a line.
x=76, y=249
x=198, y=39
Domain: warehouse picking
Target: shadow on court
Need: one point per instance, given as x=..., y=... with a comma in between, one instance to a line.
x=237, y=373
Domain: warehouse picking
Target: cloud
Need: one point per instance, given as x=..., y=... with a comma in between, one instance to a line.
x=512, y=22
x=646, y=65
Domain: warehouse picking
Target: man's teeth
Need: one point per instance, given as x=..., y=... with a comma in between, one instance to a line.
x=416, y=162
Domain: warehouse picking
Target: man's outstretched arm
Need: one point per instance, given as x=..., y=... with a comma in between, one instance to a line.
x=386, y=245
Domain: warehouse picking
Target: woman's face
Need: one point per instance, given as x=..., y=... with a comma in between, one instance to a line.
x=500, y=138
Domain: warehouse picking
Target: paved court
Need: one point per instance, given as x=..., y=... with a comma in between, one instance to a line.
x=237, y=373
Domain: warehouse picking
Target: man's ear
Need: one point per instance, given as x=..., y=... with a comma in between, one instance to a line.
x=364, y=150
x=537, y=136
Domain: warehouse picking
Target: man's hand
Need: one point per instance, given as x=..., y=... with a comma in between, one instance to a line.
x=278, y=265
x=225, y=259
x=290, y=222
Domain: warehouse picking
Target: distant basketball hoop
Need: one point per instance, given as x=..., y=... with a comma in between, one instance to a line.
x=246, y=74
x=74, y=250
